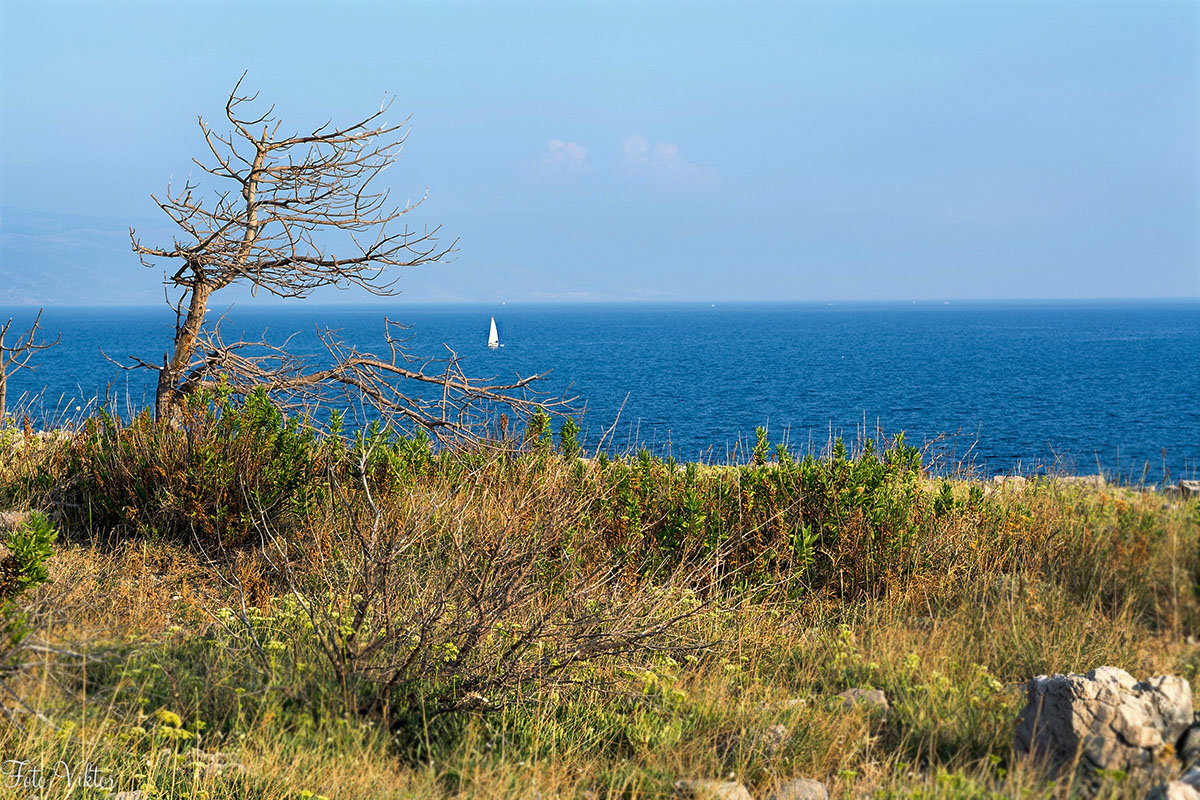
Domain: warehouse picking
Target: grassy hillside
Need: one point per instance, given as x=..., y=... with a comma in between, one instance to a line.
x=243, y=608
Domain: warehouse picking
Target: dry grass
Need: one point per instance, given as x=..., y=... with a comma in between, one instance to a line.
x=987, y=593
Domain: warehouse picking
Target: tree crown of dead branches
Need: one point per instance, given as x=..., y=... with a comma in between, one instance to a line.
x=294, y=200
x=272, y=228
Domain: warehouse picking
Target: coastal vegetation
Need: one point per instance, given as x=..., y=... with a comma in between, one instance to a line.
x=236, y=595
x=237, y=604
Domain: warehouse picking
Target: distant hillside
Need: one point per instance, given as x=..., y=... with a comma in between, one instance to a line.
x=53, y=259
x=70, y=259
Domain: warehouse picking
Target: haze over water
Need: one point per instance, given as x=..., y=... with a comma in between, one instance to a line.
x=1110, y=385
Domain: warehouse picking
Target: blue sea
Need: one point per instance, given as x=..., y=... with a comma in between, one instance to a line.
x=1077, y=387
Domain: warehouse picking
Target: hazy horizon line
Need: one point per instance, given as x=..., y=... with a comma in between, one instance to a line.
x=381, y=304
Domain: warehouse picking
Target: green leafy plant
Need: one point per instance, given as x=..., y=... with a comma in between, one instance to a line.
x=761, y=446
x=537, y=433
x=29, y=547
x=568, y=439
x=201, y=477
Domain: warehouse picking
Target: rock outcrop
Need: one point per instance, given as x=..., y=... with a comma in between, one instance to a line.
x=1188, y=748
x=1110, y=720
x=1011, y=480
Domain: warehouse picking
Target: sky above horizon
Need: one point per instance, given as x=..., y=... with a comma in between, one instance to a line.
x=657, y=151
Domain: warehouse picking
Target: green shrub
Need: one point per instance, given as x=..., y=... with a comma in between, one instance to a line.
x=856, y=521
x=568, y=439
x=208, y=475
x=29, y=547
x=538, y=433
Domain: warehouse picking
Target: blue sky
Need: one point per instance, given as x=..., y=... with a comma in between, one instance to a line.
x=651, y=151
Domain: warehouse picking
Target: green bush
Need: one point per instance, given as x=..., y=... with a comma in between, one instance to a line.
x=29, y=547
x=208, y=476
x=814, y=521
x=568, y=442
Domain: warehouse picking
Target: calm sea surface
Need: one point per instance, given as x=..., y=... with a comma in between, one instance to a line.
x=1078, y=385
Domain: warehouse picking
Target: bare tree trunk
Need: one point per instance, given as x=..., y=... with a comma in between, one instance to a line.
x=175, y=366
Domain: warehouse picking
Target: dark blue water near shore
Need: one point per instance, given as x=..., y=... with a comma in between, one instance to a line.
x=1081, y=384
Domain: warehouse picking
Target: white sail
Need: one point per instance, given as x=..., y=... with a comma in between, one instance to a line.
x=493, y=337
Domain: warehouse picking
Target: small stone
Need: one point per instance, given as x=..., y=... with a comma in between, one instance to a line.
x=11, y=520
x=768, y=742
x=873, y=698
x=1014, y=480
x=1175, y=790
x=800, y=789
x=1081, y=480
x=772, y=740
x=1188, y=489
x=700, y=789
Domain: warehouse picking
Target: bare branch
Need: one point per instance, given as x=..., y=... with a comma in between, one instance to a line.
x=435, y=395
x=15, y=357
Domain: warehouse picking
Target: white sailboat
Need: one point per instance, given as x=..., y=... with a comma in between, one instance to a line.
x=493, y=336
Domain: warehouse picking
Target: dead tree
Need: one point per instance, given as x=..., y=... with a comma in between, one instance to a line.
x=296, y=213
x=15, y=357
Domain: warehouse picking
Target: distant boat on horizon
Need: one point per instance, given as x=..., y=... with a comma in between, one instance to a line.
x=493, y=336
